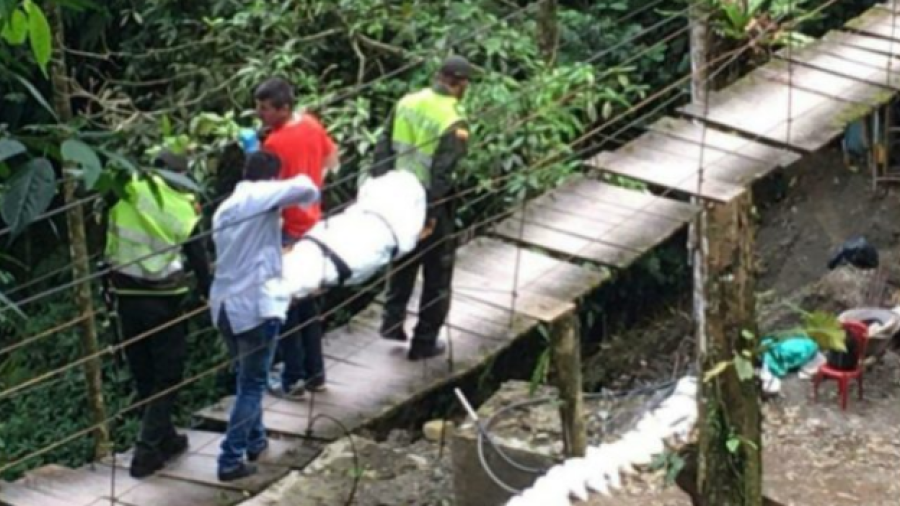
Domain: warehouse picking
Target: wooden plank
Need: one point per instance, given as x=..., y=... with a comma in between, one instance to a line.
x=513, y=266
x=684, y=181
x=53, y=486
x=814, y=120
x=630, y=200
x=291, y=453
x=75, y=486
x=200, y=469
x=528, y=302
x=662, y=227
x=161, y=491
x=733, y=170
x=580, y=205
x=889, y=5
x=12, y=494
x=842, y=54
x=727, y=142
x=631, y=232
x=475, y=317
x=358, y=394
x=864, y=42
x=827, y=84
x=880, y=22
x=274, y=421
x=493, y=292
x=567, y=244
x=720, y=164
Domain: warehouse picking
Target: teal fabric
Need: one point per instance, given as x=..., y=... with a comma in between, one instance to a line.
x=788, y=355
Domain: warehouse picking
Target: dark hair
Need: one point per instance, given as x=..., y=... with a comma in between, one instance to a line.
x=276, y=91
x=261, y=166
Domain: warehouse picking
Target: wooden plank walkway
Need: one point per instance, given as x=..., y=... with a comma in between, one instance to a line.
x=590, y=220
x=822, y=101
x=671, y=153
x=534, y=265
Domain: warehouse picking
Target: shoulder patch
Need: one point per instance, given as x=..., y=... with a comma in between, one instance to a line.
x=462, y=134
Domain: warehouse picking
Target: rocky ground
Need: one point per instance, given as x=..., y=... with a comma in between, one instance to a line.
x=815, y=454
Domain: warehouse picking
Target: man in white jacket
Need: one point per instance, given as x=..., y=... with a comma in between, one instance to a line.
x=247, y=310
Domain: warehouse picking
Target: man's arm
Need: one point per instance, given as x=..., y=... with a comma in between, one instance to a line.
x=271, y=195
x=452, y=148
x=195, y=251
x=385, y=158
x=333, y=161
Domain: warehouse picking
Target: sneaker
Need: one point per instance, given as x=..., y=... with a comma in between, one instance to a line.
x=318, y=387
x=145, y=461
x=426, y=351
x=274, y=384
x=242, y=471
x=254, y=456
x=174, y=446
x=293, y=393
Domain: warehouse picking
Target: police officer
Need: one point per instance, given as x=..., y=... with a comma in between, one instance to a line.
x=428, y=136
x=148, y=231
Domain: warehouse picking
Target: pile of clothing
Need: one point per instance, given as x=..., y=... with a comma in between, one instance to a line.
x=348, y=248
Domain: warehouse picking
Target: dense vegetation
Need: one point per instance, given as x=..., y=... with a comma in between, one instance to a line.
x=181, y=73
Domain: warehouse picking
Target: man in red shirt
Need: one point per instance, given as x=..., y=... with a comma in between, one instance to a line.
x=304, y=147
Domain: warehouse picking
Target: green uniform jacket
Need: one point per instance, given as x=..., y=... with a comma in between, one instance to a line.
x=430, y=144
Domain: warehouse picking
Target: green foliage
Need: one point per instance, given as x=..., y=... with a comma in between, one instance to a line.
x=29, y=23
x=80, y=154
x=10, y=148
x=825, y=329
x=28, y=194
x=669, y=461
x=769, y=22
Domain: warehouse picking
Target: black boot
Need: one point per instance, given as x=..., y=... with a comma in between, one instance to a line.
x=174, y=446
x=394, y=333
x=425, y=351
x=254, y=456
x=242, y=471
x=146, y=461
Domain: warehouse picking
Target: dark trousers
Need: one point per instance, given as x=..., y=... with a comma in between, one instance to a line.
x=435, y=256
x=156, y=361
x=301, y=350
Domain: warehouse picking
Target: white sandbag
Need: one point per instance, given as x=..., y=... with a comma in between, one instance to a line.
x=389, y=212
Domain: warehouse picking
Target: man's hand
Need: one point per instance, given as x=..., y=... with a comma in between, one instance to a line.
x=428, y=229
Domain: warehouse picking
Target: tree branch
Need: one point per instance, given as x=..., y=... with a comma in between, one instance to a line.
x=381, y=46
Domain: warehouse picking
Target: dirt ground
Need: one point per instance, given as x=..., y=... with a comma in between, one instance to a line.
x=814, y=453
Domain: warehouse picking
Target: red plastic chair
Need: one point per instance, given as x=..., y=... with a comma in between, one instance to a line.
x=860, y=332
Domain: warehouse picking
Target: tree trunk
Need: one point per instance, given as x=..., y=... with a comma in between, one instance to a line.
x=566, y=357
x=729, y=409
x=78, y=244
x=548, y=31
x=700, y=51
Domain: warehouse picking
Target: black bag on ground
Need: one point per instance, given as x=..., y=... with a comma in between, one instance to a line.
x=856, y=252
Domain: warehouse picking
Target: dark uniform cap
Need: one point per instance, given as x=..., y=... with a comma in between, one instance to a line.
x=456, y=66
x=169, y=160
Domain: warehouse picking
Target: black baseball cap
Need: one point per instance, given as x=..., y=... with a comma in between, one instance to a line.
x=457, y=66
x=169, y=160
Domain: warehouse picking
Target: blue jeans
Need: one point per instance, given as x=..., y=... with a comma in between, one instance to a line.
x=301, y=350
x=252, y=351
